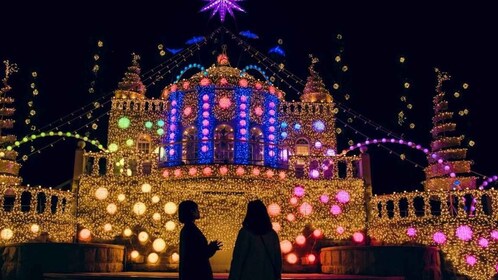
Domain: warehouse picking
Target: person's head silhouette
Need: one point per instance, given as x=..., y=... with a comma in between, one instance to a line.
x=257, y=219
x=188, y=211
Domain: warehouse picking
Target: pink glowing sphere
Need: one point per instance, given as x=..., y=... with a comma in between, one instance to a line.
x=274, y=209
x=452, y=175
x=272, y=120
x=225, y=102
x=339, y=230
x=483, y=242
x=242, y=122
x=187, y=111
x=223, y=81
x=271, y=137
x=205, y=97
x=177, y=172
x=291, y=217
x=358, y=237
x=496, y=267
x=299, y=191
x=271, y=89
x=291, y=258
x=411, y=232
x=243, y=83
x=207, y=171
x=270, y=173
x=300, y=239
x=192, y=171
x=439, y=238
x=204, y=149
x=311, y=258
x=317, y=233
x=258, y=85
x=205, y=115
x=243, y=98
x=343, y=196
x=240, y=171
x=258, y=111
x=271, y=129
x=173, y=119
x=305, y=209
x=285, y=246
x=172, y=127
x=242, y=107
x=171, y=152
x=314, y=174
x=205, y=106
x=276, y=226
x=243, y=131
x=256, y=171
x=335, y=209
x=173, y=89
x=205, y=123
x=293, y=200
x=243, y=114
x=205, y=81
x=205, y=131
x=281, y=175
x=464, y=233
x=186, y=85
x=324, y=198
x=494, y=234
x=165, y=173
x=271, y=153
x=173, y=111
x=271, y=112
x=471, y=260
x=272, y=105
x=446, y=168
x=223, y=170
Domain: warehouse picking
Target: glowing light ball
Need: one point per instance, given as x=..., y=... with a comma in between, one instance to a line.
x=243, y=131
x=255, y=171
x=297, y=126
x=124, y=123
x=173, y=89
x=204, y=82
x=471, y=260
x=187, y=111
x=127, y=232
x=285, y=246
x=129, y=142
x=225, y=102
x=271, y=153
x=6, y=234
x=170, y=226
x=439, y=238
x=274, y=209
x=192, y=171
x=318, y=126
x=113, y=147
x=343, y=196
x=291, y=258
x=242, y=122
x=159, y=245
x=318, y=144
x=300, y=239
x=186, y=85
x=146, y=188
x=271, y=112
x=276, y=226
x=148, y=125
x=311, y=258
x=101, y=193
x=171, y=152
x=281, y=175
x=139, y=208
x=175, y=257
x=155, y=199
x=243, y=83
x=112, y=208
x=242, y=107
x=223, y=81
x=121, y=197
x=464, y=233
x=143, y=236
x=223, y=170
x=170, y=208
x=335, y=209
x=284, y=134
x=494, y=234
x=205, y=123
x=177, y=172
x=258, y=111
x=411, y=232
x=205, y=106
x=314, y=173
x=160, y=123
x=205, y=114
x=271, y=129
x=107, y=227
x=271, y=137
x=204, y=149
x=240, y=171
x=258, y=86
x=339, y=230
x=483, y=242
x=207, y=171
x=84, y=235
x=293, y=200
x=358, y=237
x=299, y=191
x=156, y=217
x=134, y=254
x=270, y=173
x=291, y=217
x=324, y=198
x=152, y=258
x=317, y=233
x=35, y=228
x=305, y=209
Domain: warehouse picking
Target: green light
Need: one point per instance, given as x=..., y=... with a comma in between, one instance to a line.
x=124, y=123
x=148, y=125
x=59, y=133
x=160, y=131
x=68, y=134
x=85, y=138
x=9, y=148
x=113, y=147
x=17, y=143
x=33, y=136
x=25, y=139
x=93, y=142
x=160, y=123
x=43, y=134
x=51, y=133
x=129, y=142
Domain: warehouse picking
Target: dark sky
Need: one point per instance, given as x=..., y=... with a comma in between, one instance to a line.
x=58, y=41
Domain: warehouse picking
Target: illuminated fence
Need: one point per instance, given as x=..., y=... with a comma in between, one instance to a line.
x=139, y=105
x=27, y=211
x=306, y=108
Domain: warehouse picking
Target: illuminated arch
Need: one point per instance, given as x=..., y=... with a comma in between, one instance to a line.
x=34, y=137
x=188, y=67
x=254, y=67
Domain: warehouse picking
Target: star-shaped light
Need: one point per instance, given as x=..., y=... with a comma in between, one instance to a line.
x=222, y=7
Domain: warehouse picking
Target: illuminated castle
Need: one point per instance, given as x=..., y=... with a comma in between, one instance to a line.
x=223, y=137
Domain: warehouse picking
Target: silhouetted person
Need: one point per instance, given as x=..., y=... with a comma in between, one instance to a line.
x=257, y=249
x=194, y=248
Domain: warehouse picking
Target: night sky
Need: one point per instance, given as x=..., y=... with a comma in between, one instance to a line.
x=59, y=41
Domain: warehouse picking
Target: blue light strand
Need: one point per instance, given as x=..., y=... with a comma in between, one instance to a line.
x=271, y=130
x=206, y=123
x=257, y=68
x=188, y=67
x=242, y=121
x=173, y=132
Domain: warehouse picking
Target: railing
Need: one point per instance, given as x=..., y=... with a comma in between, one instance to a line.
x=305, y=108
x=100, y=164
x=139, y=105
x=321, y=167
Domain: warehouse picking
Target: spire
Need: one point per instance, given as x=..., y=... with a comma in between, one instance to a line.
x=222, y=58
x=9, y=168
x=447, y=162
x=315, y=90
x=131, y=86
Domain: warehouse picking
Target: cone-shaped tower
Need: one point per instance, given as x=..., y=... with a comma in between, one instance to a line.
x=315, y=90
x=9, y=168
x=447, y=161
x=131, y=86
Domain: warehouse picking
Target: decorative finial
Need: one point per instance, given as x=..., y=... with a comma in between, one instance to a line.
x=222, y=7
x=222, y=59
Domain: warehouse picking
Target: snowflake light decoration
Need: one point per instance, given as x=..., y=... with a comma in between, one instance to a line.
x=222, y=7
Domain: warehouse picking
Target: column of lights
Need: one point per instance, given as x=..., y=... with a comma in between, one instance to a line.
x=206, y=122
x=174, y=146
x=242, y=132
x=270, y=129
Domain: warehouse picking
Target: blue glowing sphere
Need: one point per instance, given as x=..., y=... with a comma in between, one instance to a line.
x=297, y=126
x=319, y=126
